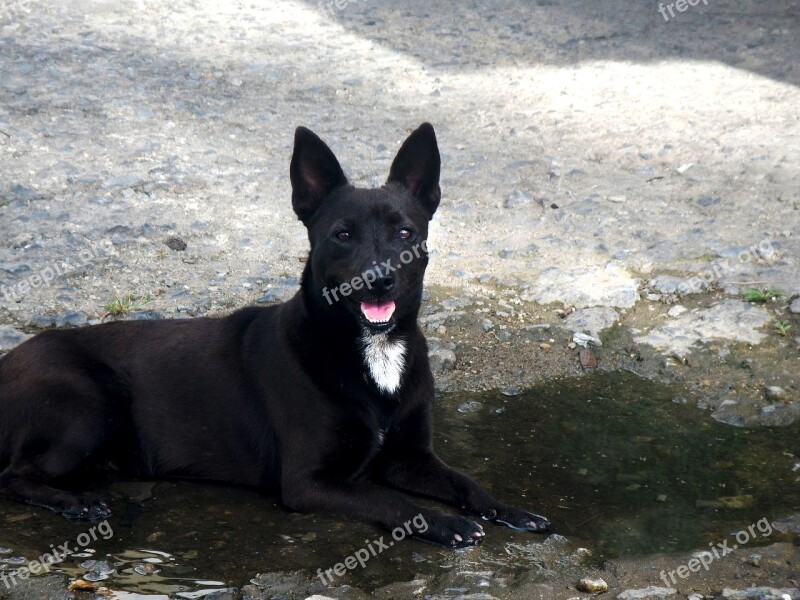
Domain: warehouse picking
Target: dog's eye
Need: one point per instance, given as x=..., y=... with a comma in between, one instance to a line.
x=405, y=233
x=343, y=236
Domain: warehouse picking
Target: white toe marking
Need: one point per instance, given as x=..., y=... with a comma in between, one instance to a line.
x=385, y=359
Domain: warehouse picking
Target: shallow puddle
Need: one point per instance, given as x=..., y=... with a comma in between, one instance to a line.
x=617, y=465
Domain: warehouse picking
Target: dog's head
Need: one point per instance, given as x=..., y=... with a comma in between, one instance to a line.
x=368, y=246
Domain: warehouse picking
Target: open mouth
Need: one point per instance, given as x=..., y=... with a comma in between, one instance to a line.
x=378, y=314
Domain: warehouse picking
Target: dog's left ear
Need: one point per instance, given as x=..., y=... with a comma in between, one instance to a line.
x=417, y=166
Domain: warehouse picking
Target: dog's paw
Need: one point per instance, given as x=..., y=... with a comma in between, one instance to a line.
x=452, y=531
x=88, y=508
x=517, y=519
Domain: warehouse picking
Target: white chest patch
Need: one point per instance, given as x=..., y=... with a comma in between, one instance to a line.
x=385, y=360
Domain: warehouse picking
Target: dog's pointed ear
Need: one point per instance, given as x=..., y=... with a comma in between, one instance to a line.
x=417, y=166
x=314, y=171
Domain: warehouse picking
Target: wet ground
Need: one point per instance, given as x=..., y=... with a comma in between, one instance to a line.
x=620, y=467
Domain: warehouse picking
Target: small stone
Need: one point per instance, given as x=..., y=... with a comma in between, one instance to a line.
x=146, y=569
x=124, y=181
x=177, y=244
x=774, y=392
x=583, y=339
x=684, y=167
x=72, y=319
x=588, y=359
x=760, y=593
x=592, y=586
x=592, y=320
x=469, y=407
x=517, y=198
x=677, y=311
x=790, y=524
x=654, y=297
x=794, y=307
x=545, y=346
x=648, y=593
x=441, y=357
x=572, y=345
x=666, y=284
x=441, y=330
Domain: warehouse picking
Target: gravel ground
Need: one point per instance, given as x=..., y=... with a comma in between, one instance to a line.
x=595, y=157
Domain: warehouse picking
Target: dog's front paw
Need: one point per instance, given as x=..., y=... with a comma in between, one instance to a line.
x=87, y=507
x=450, y=530
x=517, y=519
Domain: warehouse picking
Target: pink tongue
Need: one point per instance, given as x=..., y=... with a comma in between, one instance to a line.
x=377, y=312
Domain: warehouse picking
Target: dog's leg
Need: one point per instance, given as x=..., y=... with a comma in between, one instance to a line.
x=52, y=445
x=427, y=475
x=382, y=506
x=28, y=483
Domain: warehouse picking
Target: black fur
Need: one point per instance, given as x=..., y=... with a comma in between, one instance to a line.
x=279, y=398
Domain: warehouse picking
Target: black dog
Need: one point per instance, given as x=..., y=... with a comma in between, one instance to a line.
x=325, y=399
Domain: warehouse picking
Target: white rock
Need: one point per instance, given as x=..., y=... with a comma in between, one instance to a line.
x=731, y=319
x=677, y=311
x=592, y=320
x=761, y=593
x=658, y=593
x=774, y=392
x=583, y=339
x=592, y=286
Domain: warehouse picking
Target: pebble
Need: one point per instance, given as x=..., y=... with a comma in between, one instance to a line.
x=761, y=593
x=592, y=320
x=677, y=311
x=177, y=244
x=583, y=339
x=441, y=355
x=470, y=407
x=518, y=198
x=794, y=307
x=72, y=319
x=124, y=181
x=648, y=593
x=588, y=359
x=592, y=586
x=774, y=392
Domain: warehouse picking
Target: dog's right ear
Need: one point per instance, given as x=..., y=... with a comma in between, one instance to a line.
x=314, y=171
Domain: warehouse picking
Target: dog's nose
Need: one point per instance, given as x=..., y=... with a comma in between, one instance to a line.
x=385, y=283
